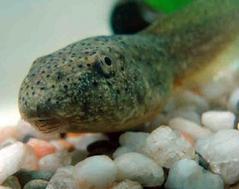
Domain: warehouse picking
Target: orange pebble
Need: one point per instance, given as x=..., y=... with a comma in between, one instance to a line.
x=188, y=137
x=8, y=132
x=73, y=135
x=41, y=147
x=62, y=145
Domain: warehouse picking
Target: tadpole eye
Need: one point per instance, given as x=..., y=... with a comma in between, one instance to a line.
x=107, y=61
x=104, y=67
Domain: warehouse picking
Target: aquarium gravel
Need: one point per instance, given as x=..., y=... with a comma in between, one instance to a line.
x=193, y=143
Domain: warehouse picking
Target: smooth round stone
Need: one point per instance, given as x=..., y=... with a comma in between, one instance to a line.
x=134, y=140
x=62, y=145
x=127, y=184
x=7, y=142
x=233, y=102
x=81, y=142
x=187, y=99
x=5, y=187
x=30, y=160
x=11, y=159
x=64, y=177
x=12, y=182
x=96, y=172
x=36, y=184
x=187, y=114
x=218, y=120
x=8, y=132
x=193, y=129
x=187, y=174
x=52, y=162
x=140, y=168
x=121, y=150
x=221, y=151
x=166, y=147
x=25, y=176
x=220, y=86
x=41, y=147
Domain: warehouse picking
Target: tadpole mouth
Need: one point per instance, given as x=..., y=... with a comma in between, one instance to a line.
x=47, y=124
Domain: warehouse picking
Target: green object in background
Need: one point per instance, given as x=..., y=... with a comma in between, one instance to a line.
x=167, y=6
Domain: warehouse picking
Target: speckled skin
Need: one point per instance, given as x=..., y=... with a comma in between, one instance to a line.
x=113, y=83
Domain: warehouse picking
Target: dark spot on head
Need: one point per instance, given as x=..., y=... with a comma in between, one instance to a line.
x=33, y=93
x=53, y=86
x=108, y=83
x=65, y=87
x=122, y=68
x=43, y=71
x=107, y=61
x=95, y=83
x=80, y=65
x=38, y=82
x=59, y=76
x=49, y=99
x=47, y=75
x=88, y=65
x=42, y=88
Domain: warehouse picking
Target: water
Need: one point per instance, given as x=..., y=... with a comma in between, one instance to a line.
x=30, y=29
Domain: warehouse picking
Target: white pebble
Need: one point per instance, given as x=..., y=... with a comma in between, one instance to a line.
x=7, y=142
x=193, y=129
x=52, y=162
x=11, y=159
x=187, y=114
x=218, y=120
x=81, y=142
x=187, y=174
x=5, y=187
x=120, y=151
x=187, y=99
x=221, y=151
x=133, y=140
x=140, y=168
x=127, y=184
x=30, y=162
x=65, y=177
x=233, y=102
x=96, y=172
x=166, y=147
x=220, y=86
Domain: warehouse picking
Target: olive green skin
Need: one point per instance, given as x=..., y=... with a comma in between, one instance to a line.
x=97, y=84
x=114, y=83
